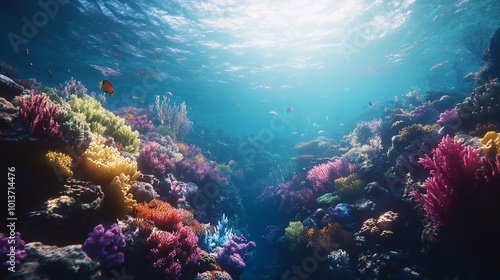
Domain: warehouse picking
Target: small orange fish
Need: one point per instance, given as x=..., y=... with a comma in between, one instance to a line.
x=273, y=113
x=107, y=87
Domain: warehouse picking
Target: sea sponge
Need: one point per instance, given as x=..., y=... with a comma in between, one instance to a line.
x=117, y=197
x=349, y=187
x=102, y=121
x=491, y=144
x=61, y=163
x=101, y=163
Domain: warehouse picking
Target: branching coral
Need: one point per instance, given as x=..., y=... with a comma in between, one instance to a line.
x=235, y=254
x=416, y=131
x=103, y=121
x=40, y=116
x=101, y=163
x=74, y=126
x=294, y=233
x=174, y=116
x=460, y=182
x=154, y=158
x=321, y=176
x=161, y=214
x=60, y=162
x=170, y=252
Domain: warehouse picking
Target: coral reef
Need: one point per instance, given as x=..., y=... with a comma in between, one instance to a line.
x=105, y=245
x=221, y=234
x=137, y=118
x=321, y=176
x=294, y=232
x=349, y=188
x=483, y=105
x=8, y=88
x=381, y=229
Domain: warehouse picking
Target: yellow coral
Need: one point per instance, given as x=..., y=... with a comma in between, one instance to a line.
x=117, y=197
x=349, y=187
x=61, y=163
x=101, y=163
x=491, y=144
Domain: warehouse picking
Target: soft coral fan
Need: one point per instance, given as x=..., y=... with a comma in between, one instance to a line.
x=463, y=187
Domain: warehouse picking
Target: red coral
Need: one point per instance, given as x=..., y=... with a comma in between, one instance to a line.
x=40, y=117
x=173, y=251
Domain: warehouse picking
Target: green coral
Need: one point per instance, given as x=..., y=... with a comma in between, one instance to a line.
x=328, y=198
x=74, y=126
x=416, y=131
x=105, y=122
x=349, y=188
x=294, y=233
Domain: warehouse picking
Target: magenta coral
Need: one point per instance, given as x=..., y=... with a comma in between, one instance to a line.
x=460, y=182
x=40, y=117
x=200, y=171
x=172, y=251
x=152, y=158
x=448, y=118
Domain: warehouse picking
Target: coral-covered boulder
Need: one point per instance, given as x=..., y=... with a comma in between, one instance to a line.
x=381, y=229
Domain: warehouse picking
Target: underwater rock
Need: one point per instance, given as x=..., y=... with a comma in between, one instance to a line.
x=9, y=88
x=11, y=127
x=376, y=198
x=66, y=219
x=143, y=192
x=376, y=264
x=52, y=262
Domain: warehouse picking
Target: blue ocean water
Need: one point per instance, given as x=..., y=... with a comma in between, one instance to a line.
x=234, y=61
x=317, y=64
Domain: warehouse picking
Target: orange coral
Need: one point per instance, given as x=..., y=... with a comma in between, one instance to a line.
x=331, y=237
x=183, y=149
x=165, y=217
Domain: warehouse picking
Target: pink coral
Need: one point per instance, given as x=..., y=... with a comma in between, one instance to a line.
x=40, y=117
x=322, y=176
x=173, y=251
x=153, y=158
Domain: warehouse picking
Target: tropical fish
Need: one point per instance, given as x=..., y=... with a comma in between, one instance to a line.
x=437, y=66
x=27, y=52
x=49, y=72
x=107, y=87
x=372, y=104
x=135, y=97
x=321, y=131
x=293, y=132
x=273, y=113
x=289, y=109
x=143, y=102
x=169, y=93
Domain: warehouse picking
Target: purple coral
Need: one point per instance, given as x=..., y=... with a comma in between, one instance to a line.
x=105, y=245
x=448, y=118
x=200, y=171
x=40, y=117
x=9, y=257
x=177, y=193
x=154, y=158
x=423, y=113
x=271, y=235
x=137, y=118
x=170, y=252
x=235, y=254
